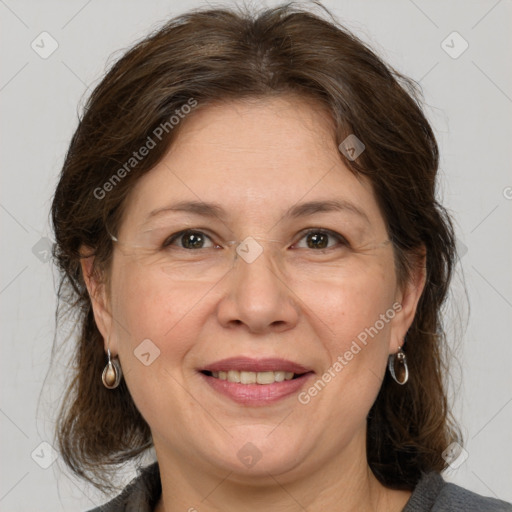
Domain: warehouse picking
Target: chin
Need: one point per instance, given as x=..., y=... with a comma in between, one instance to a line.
x=257, y=451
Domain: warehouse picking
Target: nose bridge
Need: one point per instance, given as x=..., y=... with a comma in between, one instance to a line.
x=256, y=260
x=257, y=293
x=256, y=267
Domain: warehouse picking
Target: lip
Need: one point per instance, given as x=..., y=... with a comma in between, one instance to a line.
x=248, y=364
x=255, y=395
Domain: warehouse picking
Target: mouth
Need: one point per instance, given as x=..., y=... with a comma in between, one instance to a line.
x=245, y=377
x=255, y=382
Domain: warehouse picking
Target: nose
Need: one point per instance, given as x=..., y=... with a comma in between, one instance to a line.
x=258, y=297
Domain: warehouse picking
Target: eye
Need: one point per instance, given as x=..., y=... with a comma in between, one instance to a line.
x=319, y=239
x=190, y=239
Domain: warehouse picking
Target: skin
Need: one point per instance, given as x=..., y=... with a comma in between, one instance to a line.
x=256, y=159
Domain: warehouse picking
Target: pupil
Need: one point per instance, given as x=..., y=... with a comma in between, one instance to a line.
x=317, y=241
x=192, y=241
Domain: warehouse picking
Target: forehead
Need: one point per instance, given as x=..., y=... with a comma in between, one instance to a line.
x=257, y=158
x=267, y=131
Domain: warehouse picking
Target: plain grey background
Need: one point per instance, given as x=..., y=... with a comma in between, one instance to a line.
x=468, y=95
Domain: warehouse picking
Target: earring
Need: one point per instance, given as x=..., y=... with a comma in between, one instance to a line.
x=397, y=365
x=112, y=373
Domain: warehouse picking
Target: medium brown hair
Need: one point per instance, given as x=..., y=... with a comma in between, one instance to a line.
x=229, y=54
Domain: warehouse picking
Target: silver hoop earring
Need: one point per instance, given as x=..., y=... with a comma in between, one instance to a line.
x=397, y=365
x=112, y=373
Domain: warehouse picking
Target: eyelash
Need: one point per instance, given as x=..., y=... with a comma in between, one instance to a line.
x=170, y=240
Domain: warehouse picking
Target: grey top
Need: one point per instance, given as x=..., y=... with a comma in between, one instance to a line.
x=432, y=494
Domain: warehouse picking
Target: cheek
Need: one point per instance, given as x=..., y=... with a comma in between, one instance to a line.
x=156, y=327
x=151, y=303
x=346, y=305
x=147, y=306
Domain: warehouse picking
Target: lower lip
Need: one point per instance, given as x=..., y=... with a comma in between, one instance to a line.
x=257, y=394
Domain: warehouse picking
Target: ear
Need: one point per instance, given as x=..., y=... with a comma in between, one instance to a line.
x=97, y=288
x=408, y=297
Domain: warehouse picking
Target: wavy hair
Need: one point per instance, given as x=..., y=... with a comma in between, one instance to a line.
x=225, y=54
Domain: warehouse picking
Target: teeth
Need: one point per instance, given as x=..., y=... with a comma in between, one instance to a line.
x=233, y=376
x=265, y=377
x=279, y=376
x=253, y=377
x=247, y=377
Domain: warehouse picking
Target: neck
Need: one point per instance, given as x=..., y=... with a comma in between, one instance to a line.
x=335, y=485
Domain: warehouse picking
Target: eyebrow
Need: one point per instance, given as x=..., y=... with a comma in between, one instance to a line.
x=299, y=210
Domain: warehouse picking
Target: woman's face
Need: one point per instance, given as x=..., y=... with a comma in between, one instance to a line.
x=288, y=269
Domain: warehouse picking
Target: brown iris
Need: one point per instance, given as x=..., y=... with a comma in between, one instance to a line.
x=317, y=240
x=192, y=240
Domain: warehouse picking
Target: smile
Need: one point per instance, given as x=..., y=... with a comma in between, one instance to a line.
x=262, y=378
x=255, y=382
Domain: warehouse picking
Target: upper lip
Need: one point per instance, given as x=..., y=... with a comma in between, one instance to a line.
x=247, y=364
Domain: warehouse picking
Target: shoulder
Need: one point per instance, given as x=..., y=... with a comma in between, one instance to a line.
x=462, y=499
x=140, y=495
x=433, y=494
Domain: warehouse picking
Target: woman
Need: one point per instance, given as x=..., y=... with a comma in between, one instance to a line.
x=247, y=229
